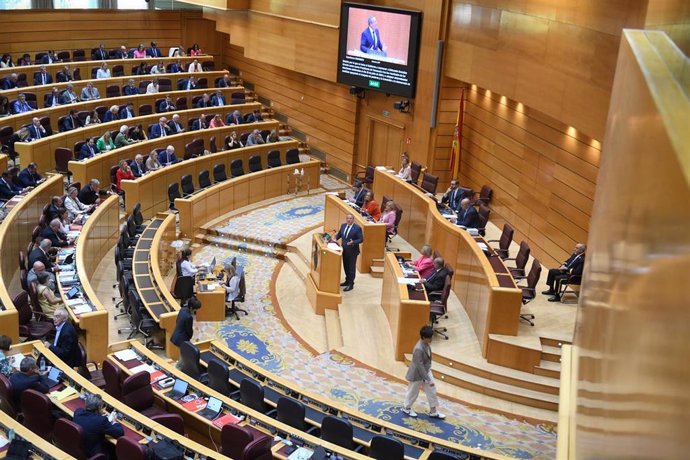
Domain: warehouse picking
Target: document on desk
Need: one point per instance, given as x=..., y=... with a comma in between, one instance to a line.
x=302, y=453
x=482, y=246
x=125, y=355
x=81, y=308
x=143, y=367
x=412, y=281
x=3, y=441
x=15, y=360
x=62, y=394
x=334, y=247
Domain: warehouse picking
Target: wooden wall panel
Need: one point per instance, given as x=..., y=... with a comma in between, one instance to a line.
x=542, y=172
x=326, y=12
x=555, y=57
x=672, y=17
x=634, y=314
x=38, y=31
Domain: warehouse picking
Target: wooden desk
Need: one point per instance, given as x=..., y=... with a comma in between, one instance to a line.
x=212, y=303
x=323, y=282
x=417, y=444
x=3, y=161
x=15, y=235
x=102, y=84
x=151, y=190
x=42, y=151
x=40, y=448
x=54, y=113
x=407, y=311
x=150, y=253
x=136, y=426
x=85, y=67
x=223, y=197
x=492, y=308
x=374, y=244
x=202, y=427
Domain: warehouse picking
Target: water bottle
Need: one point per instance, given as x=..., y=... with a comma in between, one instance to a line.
x=42, y=364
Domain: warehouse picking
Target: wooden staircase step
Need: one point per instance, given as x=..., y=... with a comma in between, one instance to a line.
x=481, y=368
x=377, y=262
x=457, y=377
x=548, y=369
x=554, y=339
x=334, y=333
x=549, y=353
x=376, y=272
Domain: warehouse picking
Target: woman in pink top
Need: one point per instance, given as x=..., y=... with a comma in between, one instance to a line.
x=196, y=51
x=217, y=122
x=140, y=52
x=388, y=217
x=425, y=264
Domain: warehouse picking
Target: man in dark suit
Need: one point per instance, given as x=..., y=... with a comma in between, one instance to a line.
x=70, y=122
x=49, y=57
x=10, y=82
x=351, y=237
x=184, y=326
x=53, y=100
x=253, y=117
x=224, y=82
x=127, y=112
x=166, y=105
x=574, y=265
x=175, y=125
x=437, y=279
x=160, y=129
x=89, y=194
x=154, y=51
x=204, y=101
x=36, y=130
x=167, y=156
x=468, y=216
x=360, y=192
x=453, y=195
x=55, y=235
x=40, y=254
x=218, y=99
x=95, y=425
x=200, y=123
x=42, y=77
x=122, y=53
x=100, y=54
x=234, y=118
x=89, y=149
x=27, y=378
x=370, y=41
x=65, y=344
x=7, y=188
x=138, y=166
x=64, y=75
x=29, y=176
x=187, y=84
x=130, y=89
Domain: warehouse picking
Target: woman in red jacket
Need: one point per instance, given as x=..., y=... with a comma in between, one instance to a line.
x=124, y=172
x=371, y=206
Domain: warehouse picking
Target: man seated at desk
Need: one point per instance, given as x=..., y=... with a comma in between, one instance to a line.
x=95, y=425
x=27, y=378
x=7, y=189
x=54, y=233
x=468, y=216
x=29, y=176
x=89, y=194
x=36, y=269
x=40, y=253
x=360, y=192
x=452, y=195
x=436, y=280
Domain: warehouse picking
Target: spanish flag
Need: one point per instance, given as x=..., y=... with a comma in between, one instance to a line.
x=456, y=146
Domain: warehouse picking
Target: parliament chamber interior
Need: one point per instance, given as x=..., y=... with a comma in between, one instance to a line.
x=247, y=229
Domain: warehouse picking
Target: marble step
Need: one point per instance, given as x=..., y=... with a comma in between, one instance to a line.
x=241, y=246
x=548, y=369
x=334, y=333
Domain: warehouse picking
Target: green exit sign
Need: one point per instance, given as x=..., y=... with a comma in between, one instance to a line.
x=374, y=83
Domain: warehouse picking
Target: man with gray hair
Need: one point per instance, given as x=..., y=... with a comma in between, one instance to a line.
x=255, y=138
x=122, y=139
x=54, y=233
x=36, y=269
x=138, y=166
x=96, y=425
x=370, y=40
x=40, y=253
x=69, y=96
x=28, y=378
x=89, y=193
x=65, y=344
x=167, y=157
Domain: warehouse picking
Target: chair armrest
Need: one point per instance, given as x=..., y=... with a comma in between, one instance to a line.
x=526, y=288
x=40, y=316
x=519, y=277
x=159, y=401
x=493, y=241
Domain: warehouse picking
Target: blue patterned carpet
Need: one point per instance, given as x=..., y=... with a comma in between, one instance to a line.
x=262, y=338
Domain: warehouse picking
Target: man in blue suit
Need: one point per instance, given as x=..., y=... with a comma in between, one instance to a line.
x=7, y=188
x=468, y=216
x=167, y=156
x=453, y=195
x=29, y=176
x=360, y=192
x=20, y=105
x=154, y=51
x=70, y=122
x=42, y=77
x=36, y=130
x=130, y=89
x=160, y=129
x=27, y=378
x=49, y=57
x=100, y=54
x=166, y=105
x=53, y=100
x=350, y=236
x=187, y=84
x=127, y=112
x=138, y=166
x=89, y=149
x=218, y=99
x=95, y=425
x=10, y=82
x=370, y=42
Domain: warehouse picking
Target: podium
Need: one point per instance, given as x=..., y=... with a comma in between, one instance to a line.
x=323, y=282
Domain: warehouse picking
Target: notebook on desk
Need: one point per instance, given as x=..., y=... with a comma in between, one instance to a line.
x=53, y=377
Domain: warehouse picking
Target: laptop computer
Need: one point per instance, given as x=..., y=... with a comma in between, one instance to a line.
x=212, y=265
x=53, y=377
x=73, y=293
x=179, y=390
x=212, y=409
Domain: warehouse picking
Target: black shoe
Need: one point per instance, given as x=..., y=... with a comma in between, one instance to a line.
x=555, y=298
x=348, y=288
x=548, y=292
x=344, y=284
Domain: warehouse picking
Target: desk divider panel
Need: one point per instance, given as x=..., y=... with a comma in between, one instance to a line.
x=15, y=235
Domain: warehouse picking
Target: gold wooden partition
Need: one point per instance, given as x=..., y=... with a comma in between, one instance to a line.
x=54, y=113
x=3, y=162
x=98, y=236
x=223, y=197
x=44, y=447
x=15, y=236
x=42, y=151
x=634, y=315
x=151, y=190
x=493, y=309
x=103, y=83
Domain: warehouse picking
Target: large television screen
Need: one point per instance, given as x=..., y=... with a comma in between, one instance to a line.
x=379, y=48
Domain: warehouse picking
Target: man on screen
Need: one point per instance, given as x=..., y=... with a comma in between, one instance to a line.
x=370, y=42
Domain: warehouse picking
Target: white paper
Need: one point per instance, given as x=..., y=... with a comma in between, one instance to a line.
x=334, y=247
x=84, y=308
x=482, y=246
x=212, y=286
x=74, y=302
x=125, y=355
x=143, y=367
x=412, y=281
x=3, y=441
x=302, y=453
x=15, y=360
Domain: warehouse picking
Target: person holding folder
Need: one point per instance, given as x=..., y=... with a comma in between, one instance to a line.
x=350, y=236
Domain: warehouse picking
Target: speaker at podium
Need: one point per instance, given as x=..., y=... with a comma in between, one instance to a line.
x=323, y=282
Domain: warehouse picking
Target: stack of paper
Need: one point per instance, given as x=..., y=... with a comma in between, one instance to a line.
x=482, y=246
x=62, y=394
x=412, y=281
x=81, y=308
x=125, y=355
x=3, y=441
x=143, y=367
